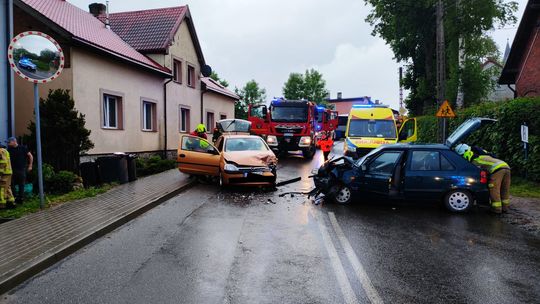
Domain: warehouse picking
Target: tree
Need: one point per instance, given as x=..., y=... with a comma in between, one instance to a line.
x=64, y=135
x=409, y=29
x=294, y=87
x=310, y=86
x=216, y=77
x=250, y=94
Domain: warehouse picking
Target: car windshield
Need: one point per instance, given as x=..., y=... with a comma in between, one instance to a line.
x=245, y=144
x=289, y=114
x=372, y=128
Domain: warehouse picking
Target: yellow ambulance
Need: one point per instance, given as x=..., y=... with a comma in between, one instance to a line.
x=370, y=126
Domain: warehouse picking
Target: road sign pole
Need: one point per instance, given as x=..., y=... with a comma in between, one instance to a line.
x=38, y=144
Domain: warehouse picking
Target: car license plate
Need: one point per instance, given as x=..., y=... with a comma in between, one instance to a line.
x=288, y=134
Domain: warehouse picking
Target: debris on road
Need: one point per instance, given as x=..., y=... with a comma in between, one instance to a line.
x=289, y=181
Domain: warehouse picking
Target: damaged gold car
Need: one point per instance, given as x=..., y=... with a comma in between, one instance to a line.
x=235, y=159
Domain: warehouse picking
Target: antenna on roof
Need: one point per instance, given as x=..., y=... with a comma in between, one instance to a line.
x=107, y=23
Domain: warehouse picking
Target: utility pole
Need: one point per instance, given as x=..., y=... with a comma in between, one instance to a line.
x=461, y=60
x=4, y=71
x=400, y=87
x=441, y=66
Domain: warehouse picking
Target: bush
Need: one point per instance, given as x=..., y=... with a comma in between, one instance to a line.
x=64, y=135
x=153, y=165
x=502, y=138
x=53, y=182
x=61, y=182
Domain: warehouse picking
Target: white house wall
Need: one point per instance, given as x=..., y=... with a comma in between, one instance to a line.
x=180, y=94
x=94, y=74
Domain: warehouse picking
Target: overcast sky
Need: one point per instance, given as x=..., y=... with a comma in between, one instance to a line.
x=266, y=40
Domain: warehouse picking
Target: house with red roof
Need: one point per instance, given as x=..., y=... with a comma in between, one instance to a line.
x=136, y=76
x=522, y=67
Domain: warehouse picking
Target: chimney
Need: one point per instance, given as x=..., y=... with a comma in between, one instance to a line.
x=100, y=11
x=339, y=95
x=97, y=9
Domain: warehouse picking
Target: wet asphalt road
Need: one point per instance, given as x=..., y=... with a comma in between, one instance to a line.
x=248, y=246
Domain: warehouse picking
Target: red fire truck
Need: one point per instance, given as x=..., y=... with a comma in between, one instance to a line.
x=327, y=121
x=288, y=125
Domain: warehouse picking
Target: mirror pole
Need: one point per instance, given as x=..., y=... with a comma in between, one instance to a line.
x=38, y=144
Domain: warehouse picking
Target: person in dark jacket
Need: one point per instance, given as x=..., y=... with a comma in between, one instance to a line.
x=21, y=163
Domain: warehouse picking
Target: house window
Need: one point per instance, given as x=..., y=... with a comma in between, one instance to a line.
x=209, y=121
x=112, y=112
x=191, y=76
x=148, y=116
x=222, y=116
x=184, y=120
x=177, y=71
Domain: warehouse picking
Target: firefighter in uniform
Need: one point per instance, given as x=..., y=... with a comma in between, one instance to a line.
x=326, y=144
x=499, y=175
x=6, y=197
x=200, y=131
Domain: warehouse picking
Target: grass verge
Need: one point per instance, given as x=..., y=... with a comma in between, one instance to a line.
x=31, y=204
x=524, y=188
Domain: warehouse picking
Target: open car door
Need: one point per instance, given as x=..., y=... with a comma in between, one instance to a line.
x=408, y=131
x=258, y=116
x=197, y=156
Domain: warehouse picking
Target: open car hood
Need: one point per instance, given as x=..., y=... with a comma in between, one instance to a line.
x=466, y=129
x=234, y=126
x=251, y=158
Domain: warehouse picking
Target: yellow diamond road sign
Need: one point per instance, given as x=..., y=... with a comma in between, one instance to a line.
x=445, y=111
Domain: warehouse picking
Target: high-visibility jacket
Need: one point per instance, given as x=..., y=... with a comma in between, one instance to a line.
x=489, y=163
x=5, y=162
x=199, y=134
x=326, y=144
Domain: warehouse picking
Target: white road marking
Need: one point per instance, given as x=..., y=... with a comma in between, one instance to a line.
x=362, y=275
x=343, y=281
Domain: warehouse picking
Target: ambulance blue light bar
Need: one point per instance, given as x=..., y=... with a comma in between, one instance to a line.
x=369, y=106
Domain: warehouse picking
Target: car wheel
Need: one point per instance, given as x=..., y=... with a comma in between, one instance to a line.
x=458, y=201
x=221, y=180
x=343, y=195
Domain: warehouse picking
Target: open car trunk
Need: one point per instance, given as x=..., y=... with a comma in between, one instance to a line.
x=466, y=129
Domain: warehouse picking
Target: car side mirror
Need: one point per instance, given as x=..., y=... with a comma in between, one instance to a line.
x=364, y=168
x=264, y=111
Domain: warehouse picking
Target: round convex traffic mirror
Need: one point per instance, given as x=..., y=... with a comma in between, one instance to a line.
x=36, y=57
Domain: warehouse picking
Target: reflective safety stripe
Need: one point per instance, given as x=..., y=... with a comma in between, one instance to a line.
x=506, y=202
x=496, y=204
x=493, y=163
x=498, y=166
x=2, y=199
x=491, y=185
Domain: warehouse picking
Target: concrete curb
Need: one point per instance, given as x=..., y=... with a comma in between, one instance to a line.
x=44, y=262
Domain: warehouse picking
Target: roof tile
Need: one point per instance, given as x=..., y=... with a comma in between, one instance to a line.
x=84, y=26
x=148, y=30
x=213, y=85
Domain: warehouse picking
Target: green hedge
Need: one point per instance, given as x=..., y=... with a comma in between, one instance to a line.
x=153, y=165
x=502, y=138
